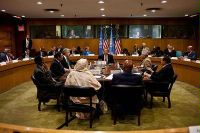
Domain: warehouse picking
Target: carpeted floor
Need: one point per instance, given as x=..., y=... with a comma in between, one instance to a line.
x=19, y=106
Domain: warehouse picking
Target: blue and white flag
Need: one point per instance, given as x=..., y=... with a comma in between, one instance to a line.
x=112, y=48
x=101, y=41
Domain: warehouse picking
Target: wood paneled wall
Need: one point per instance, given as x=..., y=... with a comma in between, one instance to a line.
x=179, y=44
x=7, y=37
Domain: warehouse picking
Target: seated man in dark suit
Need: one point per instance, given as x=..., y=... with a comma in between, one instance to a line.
x=57, y=68
x=170, y=51
x=6, y=56
x=161, y=79
x=42, y=52
x=43, y=76
x=66, y=62
x=127, y=77
x=165, y=74
x=106, y=57
x=190, y=54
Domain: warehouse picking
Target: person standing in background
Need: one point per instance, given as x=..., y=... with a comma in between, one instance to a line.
x=27, y=44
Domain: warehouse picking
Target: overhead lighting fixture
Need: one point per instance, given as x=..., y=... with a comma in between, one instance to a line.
x=101, y=2
x=3, y=10
x=103, y=15
x=153, y=11
x=144, y=15
x=102, y=9
x=23, y=16
x=62, y=15
x=186, y=15
x=163, y=1
x=39, y=3
x=51, y=11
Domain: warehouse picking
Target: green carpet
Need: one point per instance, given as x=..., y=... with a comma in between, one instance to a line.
x=19, y=106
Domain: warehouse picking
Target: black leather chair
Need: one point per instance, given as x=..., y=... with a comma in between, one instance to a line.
x=161, y=89
x=128, y=98
x=46, y=92
x=77, y=91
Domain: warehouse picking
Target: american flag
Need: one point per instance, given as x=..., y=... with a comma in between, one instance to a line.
x=117, y=46
x=106, y=44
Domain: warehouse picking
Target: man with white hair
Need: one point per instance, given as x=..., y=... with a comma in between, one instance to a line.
x=145, y=49
x=169, y=51
x=190, y=54
x=66, y=62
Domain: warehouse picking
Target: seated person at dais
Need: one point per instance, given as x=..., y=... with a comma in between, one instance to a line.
x=42, y=52
x=170, y=51
x=52, y=51
x=127, y=77
x=57, y=69
x=106, y=57
x=125, y=52
x=165, y=74
x=87, y=51
x=190, y=54
x=81, y=76
x=145, y=49
x=6, y=56
x=157, y=52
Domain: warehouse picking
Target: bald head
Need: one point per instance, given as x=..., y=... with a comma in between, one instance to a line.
x=128, y=65
x=189, y=48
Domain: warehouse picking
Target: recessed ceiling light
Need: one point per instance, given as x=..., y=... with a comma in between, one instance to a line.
x=103, y=15
x=62, y=15
x=102, y=9
x=3, y=10
x=194, y=15
x=14, y=16
x=101, y=2
x=144, y=15
x=51, y=11
x=39, y=3
x=153, y=11
x=163, y=1
x=23, y=16
x=186, y=15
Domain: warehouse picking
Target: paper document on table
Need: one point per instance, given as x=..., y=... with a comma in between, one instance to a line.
x=194, y=129
x=110, y=77
x=97, y=76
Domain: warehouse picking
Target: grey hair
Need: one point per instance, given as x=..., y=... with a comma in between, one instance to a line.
x=66, y=50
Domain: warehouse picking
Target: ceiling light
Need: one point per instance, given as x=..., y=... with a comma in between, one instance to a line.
x=3, y=10
x=51, y=11
x=144, y=15
x=103, y=15
x=153, y=11
x=101, y=2
x=186, y=15
x=163, y=1
x=39, y=3
x=62, y=15
x=102, y=9
x=23, y=16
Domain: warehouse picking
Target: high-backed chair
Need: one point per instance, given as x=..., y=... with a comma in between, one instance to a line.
x=46, y=92
x=127, y=96
x=161, y=89
x=78, y=91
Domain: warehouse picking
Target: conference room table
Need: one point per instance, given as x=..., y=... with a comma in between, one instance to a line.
x=18, y=72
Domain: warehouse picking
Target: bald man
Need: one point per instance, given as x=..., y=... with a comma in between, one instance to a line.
x=127, y=77
x=190, y=54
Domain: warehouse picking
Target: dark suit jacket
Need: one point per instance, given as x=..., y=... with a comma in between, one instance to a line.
x=65, y=63
x=43, y=53
x=43, y=76
x=57, y=69
x=24, y=45
x=165, y=74
x=3, y=57
x=110, y=58
x=126, y=79
x=191, y=55
x=171, y=54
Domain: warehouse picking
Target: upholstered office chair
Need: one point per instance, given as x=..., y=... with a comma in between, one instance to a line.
x=127, y=97
x=45, y=93
x=162, y=89
x=77, y=91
